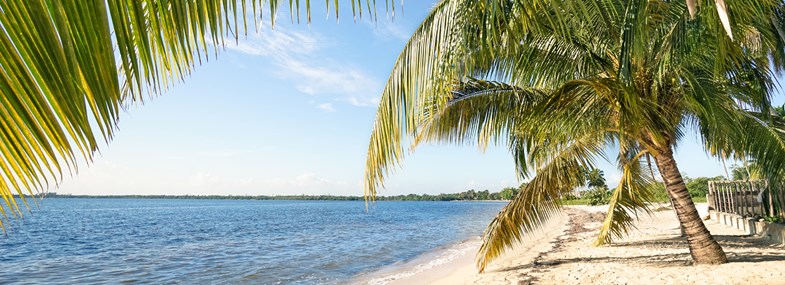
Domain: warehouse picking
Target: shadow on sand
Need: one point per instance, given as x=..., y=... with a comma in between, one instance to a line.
x=734, y=246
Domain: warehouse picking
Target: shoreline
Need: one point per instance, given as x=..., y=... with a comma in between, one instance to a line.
x=437, y=262
x=452, y=264
x=325, y=197
x=562, y=253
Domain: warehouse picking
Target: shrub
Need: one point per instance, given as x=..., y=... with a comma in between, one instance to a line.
x=699, y=187
x=598, y=196
x=570, y=196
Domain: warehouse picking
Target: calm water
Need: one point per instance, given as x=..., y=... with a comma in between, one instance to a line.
x=78, y=241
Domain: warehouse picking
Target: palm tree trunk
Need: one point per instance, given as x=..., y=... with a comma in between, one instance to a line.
x=703, y=248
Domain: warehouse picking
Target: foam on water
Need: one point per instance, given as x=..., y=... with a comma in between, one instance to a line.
x=425, y=262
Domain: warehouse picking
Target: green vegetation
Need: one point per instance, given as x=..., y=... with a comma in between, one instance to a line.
x=470, y=195
x=560, y=83
x=579, y=201
x=598, y=196
x=697, y=187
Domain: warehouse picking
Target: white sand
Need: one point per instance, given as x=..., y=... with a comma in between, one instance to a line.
x=653, y=254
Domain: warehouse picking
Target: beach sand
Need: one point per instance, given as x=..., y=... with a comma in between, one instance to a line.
x=562, y=253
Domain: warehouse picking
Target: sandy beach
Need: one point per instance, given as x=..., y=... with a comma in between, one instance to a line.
x=562, y=253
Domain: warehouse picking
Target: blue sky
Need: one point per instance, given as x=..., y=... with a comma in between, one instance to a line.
x=289, y=111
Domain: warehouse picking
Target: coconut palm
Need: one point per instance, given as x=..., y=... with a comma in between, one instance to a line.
x=631, y=75
x=595, y=178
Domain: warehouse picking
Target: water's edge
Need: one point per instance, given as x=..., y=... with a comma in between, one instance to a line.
x=430, y=260
x=72, y=241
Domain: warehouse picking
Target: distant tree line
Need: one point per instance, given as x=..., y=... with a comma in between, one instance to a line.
x=597, y=193
x=469, y=195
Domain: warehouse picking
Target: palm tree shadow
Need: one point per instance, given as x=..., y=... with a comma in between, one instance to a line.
x=660, y=260
x=728, y=242
x=733, y=245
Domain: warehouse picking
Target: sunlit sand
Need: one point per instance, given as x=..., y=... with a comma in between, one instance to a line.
x=653, y=254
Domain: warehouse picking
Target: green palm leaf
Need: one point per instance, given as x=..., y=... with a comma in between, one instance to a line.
x=631, y=196
x=69, y=67
x=540, y=74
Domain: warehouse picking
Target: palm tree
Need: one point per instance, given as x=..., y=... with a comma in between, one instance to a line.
x=632, y=75
x=595, y=178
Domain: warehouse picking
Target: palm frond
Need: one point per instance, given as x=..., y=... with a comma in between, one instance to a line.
x=631, y=197
x=69, y=67
x=540, y=199
x=483, y=110
x=420, y=77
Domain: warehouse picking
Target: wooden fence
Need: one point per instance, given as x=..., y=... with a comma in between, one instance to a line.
x=745, y=198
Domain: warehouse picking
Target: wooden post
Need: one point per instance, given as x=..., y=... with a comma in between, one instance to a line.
x=726, y=198
x=746, y=201
x=719, y=197
x=710, y=197
x=736, y=196
x=762, y=188
x=734, y=203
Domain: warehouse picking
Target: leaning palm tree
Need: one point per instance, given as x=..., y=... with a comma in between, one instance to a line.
x=634, y=75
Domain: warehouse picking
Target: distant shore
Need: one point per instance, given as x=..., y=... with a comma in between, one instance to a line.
x=562, y=253
x=409, y=197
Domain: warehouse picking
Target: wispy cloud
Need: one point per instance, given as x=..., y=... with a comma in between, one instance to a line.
x=362, y=101
x=327, y=107
x=315, y=79
x=395, y=30
x=295, y=55
x=277, y=43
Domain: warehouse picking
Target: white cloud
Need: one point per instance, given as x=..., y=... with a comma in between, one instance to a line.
x=362, y=101
x=276, y=43
x=391, y=30
x=327, y=107
x=294, y=55
x=314, y=79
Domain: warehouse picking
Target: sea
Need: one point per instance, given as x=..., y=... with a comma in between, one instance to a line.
x=181, y=241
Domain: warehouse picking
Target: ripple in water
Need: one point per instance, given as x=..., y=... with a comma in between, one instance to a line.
x=77, y=241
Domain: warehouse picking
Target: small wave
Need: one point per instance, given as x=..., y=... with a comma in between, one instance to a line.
x=424, y=262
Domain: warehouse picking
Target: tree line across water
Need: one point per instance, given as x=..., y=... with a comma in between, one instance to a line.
x=469, y=195
x=597, y=192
